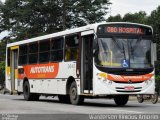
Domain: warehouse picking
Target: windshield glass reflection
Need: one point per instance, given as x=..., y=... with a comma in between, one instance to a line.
x=123, y=53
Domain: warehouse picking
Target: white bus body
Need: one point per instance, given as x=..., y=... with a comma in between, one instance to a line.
x=90, y=72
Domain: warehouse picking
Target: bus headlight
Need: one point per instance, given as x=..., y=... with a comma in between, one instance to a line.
x=110, y=82
x=148, y=81
x=102, y=76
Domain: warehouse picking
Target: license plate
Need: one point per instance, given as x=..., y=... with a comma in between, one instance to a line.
x=129, y=87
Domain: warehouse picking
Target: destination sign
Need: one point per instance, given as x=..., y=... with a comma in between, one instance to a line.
x=128, y=29
x=125, y=30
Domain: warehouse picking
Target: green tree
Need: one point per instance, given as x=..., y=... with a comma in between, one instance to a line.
x=2, y=50
x=139, y=17
x=154, y=21
x=116, y=18
x=31, y=18
x=2, y=71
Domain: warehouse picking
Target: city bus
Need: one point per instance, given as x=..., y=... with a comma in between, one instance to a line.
x=109, y=60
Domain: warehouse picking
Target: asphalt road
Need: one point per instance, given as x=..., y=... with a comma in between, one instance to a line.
x=15, y=104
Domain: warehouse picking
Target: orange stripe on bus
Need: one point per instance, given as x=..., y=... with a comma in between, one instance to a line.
x=123, y=78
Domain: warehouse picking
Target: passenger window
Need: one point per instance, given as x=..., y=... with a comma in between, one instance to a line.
x=23, y=51
x=33, y=47
x=44, y=46
x=71, y=47
x=33, y=53
x=57, y=49
x=44, y=51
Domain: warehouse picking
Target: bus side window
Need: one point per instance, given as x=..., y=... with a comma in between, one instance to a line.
x=44, y=51
x=57, y=49
x=23, y=51
x=33, y=53
x=71, y=47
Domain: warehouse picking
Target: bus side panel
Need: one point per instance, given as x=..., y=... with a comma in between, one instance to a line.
x=66, y=70
x=43, y=86
x=47, y=85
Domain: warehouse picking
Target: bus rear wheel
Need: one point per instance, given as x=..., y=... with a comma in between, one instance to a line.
x=74, y=97
x=26, y=92
x=121, y=100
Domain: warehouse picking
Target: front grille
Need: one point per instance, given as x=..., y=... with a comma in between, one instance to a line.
x=127, y=82
x=129, y=91
x=122, y=89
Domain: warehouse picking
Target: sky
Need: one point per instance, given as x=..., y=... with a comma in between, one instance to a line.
x=124, y=6
x=131, y=6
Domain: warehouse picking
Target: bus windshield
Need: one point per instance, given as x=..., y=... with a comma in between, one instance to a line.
x=119, y=52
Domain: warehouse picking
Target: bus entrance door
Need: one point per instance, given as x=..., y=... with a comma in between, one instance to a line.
x=87, y=64
x=14, y=68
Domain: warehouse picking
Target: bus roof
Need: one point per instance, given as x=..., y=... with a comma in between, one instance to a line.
x=69, y=31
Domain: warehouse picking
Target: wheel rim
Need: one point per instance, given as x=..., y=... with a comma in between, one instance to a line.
x=74, y=93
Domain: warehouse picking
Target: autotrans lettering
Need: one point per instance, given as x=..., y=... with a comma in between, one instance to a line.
x=43, y=69
x=49, y=70
x=125, y=30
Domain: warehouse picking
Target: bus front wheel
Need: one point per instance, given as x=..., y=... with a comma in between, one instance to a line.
x=26, y=92
x=121, y=100
x=75, y=99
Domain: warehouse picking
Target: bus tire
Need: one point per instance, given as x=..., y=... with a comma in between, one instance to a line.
x=74, y=97
x=26, y=92
x=121, y=100
x=64, y=98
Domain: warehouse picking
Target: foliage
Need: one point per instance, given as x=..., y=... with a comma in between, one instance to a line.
x=158, y=83
x=154, y=21
x=2, y=50
x=2, y=71
x=139, y=17
x=157, y=78
x=116, y=18
x=30, y=18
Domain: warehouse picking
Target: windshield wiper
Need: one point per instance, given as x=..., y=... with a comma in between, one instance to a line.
x=122, y=50
x=131, y=50
x=135, y=47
